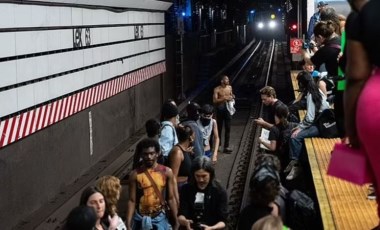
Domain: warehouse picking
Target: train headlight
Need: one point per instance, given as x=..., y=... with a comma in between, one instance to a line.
x=272, y=24
x=260, y=25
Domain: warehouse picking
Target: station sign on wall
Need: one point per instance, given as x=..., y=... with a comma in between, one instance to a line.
x=295, y=46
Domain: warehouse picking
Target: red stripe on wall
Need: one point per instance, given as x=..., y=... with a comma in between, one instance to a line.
x=25, y=124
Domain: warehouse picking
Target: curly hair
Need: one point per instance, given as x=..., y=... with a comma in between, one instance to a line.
x=111, y=188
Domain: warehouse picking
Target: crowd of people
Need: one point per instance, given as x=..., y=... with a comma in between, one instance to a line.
x=173, y=182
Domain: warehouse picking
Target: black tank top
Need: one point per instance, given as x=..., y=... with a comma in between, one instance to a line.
x=185, y=167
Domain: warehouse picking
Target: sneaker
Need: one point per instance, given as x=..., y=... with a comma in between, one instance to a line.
x=227, y=150
x=293, y=173
x=290, y=166
x=371, y=195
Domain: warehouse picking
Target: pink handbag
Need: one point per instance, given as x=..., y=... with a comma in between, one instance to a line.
x=349, y=164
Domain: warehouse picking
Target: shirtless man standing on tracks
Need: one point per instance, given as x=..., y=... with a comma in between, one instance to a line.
x=222, y=99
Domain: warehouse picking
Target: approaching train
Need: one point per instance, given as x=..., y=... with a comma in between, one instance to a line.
x=267, y=24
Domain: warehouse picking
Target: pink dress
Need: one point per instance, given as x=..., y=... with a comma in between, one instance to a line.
x=368, y=126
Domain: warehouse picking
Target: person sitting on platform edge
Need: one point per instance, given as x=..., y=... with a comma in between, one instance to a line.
x=203, y=201
x=279, y=134
x=316, y=102
x=147, y=184
x=221, y=97
x=264, y=186
x=269, y=99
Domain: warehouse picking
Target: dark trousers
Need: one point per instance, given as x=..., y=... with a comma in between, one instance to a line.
x=223, y=117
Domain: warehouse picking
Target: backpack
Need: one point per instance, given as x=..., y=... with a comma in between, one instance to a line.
x=301, y=211
x=326, y=124
x=161, y=158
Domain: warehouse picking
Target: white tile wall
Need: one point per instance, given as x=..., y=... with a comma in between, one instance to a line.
x=88, y=17
x=8, y=74
x=39, y=41
x=23, y=16
x=13, y=15
x=19, y=43
x=156, y=43
x=8, y=102
x=54, y=39
x=53, y=16
x=39, y=16
x=87, y=57
x=7, y=44
x=100, y=17
x=41, y=92
x=76, y=16
x=65, y=16
x=118, y=18
x=25, y=97
x=7, y=16
x=66, y=38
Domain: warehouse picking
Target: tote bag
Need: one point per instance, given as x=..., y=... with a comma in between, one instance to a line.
x=349, y=164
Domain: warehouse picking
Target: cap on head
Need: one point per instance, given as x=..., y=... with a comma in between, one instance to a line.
x=322, y=3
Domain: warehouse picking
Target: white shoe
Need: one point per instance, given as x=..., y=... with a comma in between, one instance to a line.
x=290, y=166
x=293, y=173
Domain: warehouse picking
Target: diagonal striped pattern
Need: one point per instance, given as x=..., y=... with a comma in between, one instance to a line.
x=27, y=123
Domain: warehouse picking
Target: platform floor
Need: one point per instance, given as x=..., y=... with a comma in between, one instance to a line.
x=343, y=205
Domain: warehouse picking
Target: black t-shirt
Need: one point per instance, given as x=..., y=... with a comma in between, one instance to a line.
x=215, y=203
x=369, y=18
x=328, y=54
x=269, y=112
x=281, y=135
x=251, y=214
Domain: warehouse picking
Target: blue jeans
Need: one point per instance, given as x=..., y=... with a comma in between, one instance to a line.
x=295, y=147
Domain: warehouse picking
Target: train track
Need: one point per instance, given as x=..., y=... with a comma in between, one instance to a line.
x=246, y=77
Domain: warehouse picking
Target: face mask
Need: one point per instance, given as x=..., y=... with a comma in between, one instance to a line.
x=205, y=121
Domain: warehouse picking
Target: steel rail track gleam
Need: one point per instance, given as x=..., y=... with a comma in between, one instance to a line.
x=52, y=215
x=245, y=158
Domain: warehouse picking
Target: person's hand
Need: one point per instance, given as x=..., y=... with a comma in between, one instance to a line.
x=295, y=132
x=176, y=226
x=261, y=140
x=228, y=97
x=188, y=224
x=190, y=149
x=206, y=227
x=113, y=222
x=259, y=121
x=353, y=141
x=214, y=158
